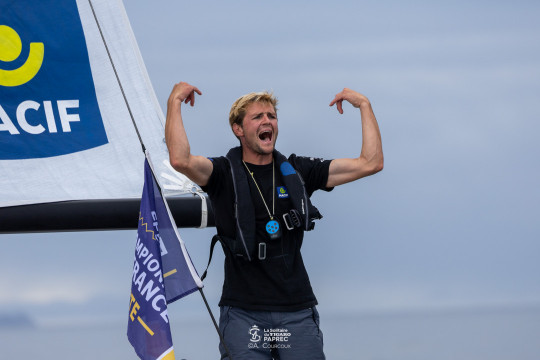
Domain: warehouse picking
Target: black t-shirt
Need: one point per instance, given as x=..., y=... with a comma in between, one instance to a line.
x=279, y=282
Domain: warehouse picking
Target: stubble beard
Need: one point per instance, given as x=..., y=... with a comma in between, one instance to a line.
x=256, y=147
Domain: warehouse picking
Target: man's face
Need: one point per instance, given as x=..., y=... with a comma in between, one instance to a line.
x=259, y=128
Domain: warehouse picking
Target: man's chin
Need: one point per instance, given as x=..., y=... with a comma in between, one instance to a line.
x=266, y=149
x=261, y=148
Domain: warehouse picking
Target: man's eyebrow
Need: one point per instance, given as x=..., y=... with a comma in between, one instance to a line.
x=264, y=112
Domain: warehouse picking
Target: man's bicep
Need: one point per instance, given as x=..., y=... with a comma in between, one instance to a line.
x=199, y=170
x=342, y=171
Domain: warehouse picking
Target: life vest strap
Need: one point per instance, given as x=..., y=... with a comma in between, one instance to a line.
x=215, y=239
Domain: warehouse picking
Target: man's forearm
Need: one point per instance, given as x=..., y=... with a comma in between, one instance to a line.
x=175, y=136
x=197, y=168
x=371, y=151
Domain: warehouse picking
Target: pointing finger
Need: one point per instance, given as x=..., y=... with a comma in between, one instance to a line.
x=336, y=99
x=340, y=106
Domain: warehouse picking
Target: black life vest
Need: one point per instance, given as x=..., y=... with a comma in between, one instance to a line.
x=245, y=244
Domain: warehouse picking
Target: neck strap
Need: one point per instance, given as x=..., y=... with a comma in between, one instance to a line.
x=260, y=192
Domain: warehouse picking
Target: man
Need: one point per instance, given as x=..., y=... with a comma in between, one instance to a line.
x=262, y=208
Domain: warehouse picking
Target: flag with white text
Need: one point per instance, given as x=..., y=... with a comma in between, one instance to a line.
x=162, y=273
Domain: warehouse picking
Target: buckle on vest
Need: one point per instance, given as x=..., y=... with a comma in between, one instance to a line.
x=262, y=251
x=292, y=219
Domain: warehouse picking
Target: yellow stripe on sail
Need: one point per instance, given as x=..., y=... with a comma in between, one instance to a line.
x=173, y=271
x=145, y=326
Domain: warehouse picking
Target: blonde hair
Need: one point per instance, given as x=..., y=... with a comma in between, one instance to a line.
x=239, y=107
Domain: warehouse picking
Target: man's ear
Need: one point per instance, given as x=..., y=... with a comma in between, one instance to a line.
x=237, y=130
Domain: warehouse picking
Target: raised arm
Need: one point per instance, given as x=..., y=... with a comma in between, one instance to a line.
x=197, y=168
x=371, y=158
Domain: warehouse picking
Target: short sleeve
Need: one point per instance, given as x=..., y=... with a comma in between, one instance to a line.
x=219, y=172
x=314, y=171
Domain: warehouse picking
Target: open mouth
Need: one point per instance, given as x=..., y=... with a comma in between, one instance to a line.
x=266, y=135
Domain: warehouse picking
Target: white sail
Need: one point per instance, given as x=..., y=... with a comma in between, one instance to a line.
x=66, y=133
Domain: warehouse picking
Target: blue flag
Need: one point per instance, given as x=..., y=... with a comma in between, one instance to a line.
x=162, y=273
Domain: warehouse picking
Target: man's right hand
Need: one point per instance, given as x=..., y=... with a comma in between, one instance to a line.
x=183, y=92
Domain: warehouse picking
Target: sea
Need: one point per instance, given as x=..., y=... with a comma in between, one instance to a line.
x=464, y=334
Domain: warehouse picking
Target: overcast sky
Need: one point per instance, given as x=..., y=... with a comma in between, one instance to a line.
x=452, y=221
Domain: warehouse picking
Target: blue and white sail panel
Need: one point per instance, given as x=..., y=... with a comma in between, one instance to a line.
x=65, y=129
x=65, y=117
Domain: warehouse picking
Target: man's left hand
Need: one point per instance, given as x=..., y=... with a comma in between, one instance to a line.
x=354, y=98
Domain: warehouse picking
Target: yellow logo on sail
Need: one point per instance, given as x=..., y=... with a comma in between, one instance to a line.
x=10, y=49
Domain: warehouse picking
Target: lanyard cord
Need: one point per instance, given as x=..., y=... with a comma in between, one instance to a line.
x=273, y=189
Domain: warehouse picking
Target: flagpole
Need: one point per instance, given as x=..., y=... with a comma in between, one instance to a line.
x=228, y=352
